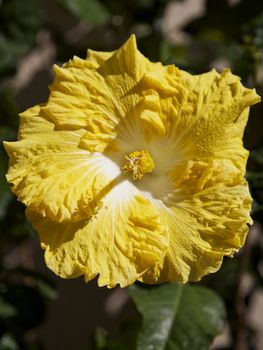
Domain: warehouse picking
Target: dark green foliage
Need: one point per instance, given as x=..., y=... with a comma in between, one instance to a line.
x=125, y=339
x=19, y=23
x=173, y=317
x=177, y=317
x=91, y=11
x=13, y=223
x=23, y=295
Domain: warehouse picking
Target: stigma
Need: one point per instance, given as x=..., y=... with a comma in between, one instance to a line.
x=138, y=163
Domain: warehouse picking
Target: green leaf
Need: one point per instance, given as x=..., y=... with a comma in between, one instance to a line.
x=257, y=155
x=124, y=339
x=20, y=22
x=100, y=338
x=46, y=286
x=47, y=290
x=8, y=115
x=29, y=304
x=255, y=179
x=91, y=11
x=177, y=317
x=8, y=342
x=7, y=310
x=8, y=131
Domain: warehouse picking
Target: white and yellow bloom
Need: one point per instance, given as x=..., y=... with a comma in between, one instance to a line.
x=135, y=171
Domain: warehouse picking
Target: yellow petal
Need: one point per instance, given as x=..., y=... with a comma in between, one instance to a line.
x=96, y=93
x=124, y=239
x=54, y=177
x=205, y=114
x=79, y=98
x=129, y=62
x=98, y=57
x=149, y=110
x=168, y=81
x=207, y=218
x=32, y=123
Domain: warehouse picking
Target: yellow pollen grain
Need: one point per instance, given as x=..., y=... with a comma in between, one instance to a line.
x=138, y=163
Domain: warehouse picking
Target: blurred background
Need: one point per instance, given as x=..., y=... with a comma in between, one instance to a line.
x=39, y=310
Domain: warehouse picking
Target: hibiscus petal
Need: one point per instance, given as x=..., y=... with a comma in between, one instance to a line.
x=123, y=240
x=205, y=115
x=53, y=176
x=32, y=123
x=98, y=57
x=207, y=219
x=96, y=93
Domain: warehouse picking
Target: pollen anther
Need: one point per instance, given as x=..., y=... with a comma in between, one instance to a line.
x=138, y=163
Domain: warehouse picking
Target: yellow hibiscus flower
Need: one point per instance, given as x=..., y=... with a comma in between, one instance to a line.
x=135, y=171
